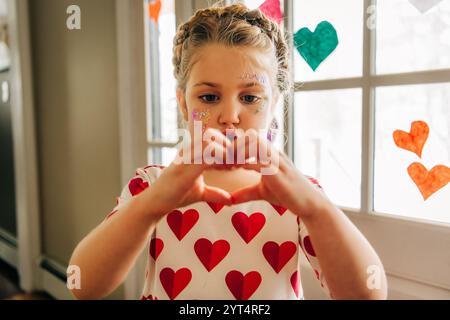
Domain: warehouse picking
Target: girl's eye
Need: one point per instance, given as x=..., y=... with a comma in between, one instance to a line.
x=209, y=98
x=250, y=99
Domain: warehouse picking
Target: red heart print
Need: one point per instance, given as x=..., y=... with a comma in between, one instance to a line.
x=308, y=246
x=243, y=287
x=156, y=246
x=216, y=207
x=278, y=255
x=295, y=281
x=136, y=186
x=248, y=226
x=182, y=223
x=210, y=254
x=279, y=209
x=175, y=282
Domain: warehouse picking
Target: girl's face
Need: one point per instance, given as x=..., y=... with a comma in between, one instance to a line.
x=228, y=88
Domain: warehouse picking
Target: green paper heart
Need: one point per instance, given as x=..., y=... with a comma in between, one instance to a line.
x=316, y=46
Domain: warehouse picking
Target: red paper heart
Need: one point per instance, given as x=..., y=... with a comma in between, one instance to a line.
x=278, y=255
x=248, y=226
x=243, y=287
x=431, y=181
x=295, y=281
x=210, y=254
x=175, y=282
x=136, y=186
x=156, y=246
x=279, y=209
x=216, y=207
x=182, y=223
x=415, y=139
x=272, y=9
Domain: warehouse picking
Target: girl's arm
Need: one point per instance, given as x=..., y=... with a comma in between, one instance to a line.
x=349, y=264
x=344, y=254
x=107, y=253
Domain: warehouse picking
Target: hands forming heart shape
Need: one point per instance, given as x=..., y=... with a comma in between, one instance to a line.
x=428, y=182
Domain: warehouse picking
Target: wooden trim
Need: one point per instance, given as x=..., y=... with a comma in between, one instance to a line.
x=25, y=156
x=131, y=17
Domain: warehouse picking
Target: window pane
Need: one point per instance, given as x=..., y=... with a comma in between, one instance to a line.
x=163, y=115
x=347, y=18
x=396, y=109
x=328, y=141
x=408, y=40
x=161, y=156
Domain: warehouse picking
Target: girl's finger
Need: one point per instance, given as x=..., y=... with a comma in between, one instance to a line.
x=213, y=194
x=246, y=194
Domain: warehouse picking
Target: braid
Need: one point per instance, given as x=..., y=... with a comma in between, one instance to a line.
x=229, y=25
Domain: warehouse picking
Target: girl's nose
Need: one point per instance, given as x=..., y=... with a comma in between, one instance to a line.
x=229, y=115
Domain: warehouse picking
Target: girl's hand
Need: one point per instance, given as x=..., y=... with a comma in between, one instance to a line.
x=182, y=183
x=286, y=186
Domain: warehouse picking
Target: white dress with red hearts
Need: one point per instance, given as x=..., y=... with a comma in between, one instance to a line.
x=207, y=251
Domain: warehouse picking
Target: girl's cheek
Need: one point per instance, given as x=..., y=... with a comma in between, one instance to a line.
x=202, y=116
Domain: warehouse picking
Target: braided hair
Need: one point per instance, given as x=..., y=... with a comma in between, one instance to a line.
x=233, y=25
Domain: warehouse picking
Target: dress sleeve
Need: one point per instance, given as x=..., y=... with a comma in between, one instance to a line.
x=308, y=250
x=143, y=178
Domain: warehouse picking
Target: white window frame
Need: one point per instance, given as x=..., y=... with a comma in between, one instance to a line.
x=430, y=267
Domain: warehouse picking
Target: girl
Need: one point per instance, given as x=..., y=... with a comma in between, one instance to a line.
x=226, y=231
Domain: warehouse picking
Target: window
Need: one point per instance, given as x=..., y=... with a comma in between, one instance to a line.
x=162, y=113
x=378, y=80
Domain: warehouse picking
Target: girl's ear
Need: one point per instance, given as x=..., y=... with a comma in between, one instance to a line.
x=181, y=98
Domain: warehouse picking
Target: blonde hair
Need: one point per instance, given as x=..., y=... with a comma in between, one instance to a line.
x=233, y=25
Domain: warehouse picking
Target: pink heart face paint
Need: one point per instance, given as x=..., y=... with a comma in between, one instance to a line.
x=203, y=116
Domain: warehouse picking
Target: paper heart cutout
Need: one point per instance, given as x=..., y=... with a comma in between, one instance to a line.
x=415, y=139
x=431, y=181
x=243, y=287
x=248, y=226
x=295, y=282
x=272, y=9
x=182, y=223
x=153, y=10
x=278, y=255
x=316, y=46
x=175, y=282
x=424, y=5
x=137, y=185
x=211, y=254
x=156, y=246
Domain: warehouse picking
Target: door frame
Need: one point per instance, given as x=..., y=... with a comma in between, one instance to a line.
x=24, y=147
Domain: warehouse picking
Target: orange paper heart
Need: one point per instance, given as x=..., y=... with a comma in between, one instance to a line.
x=415, y=139
x=431, y=181
x=153, y=9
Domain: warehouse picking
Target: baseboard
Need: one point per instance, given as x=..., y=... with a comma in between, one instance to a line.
x=8, y=252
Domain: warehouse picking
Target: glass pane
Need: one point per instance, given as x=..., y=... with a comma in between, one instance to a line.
x=328, y=142
x=163, y=115
x=396, y=109
x=408, y=40
x=347, y=18
x=161, y=156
